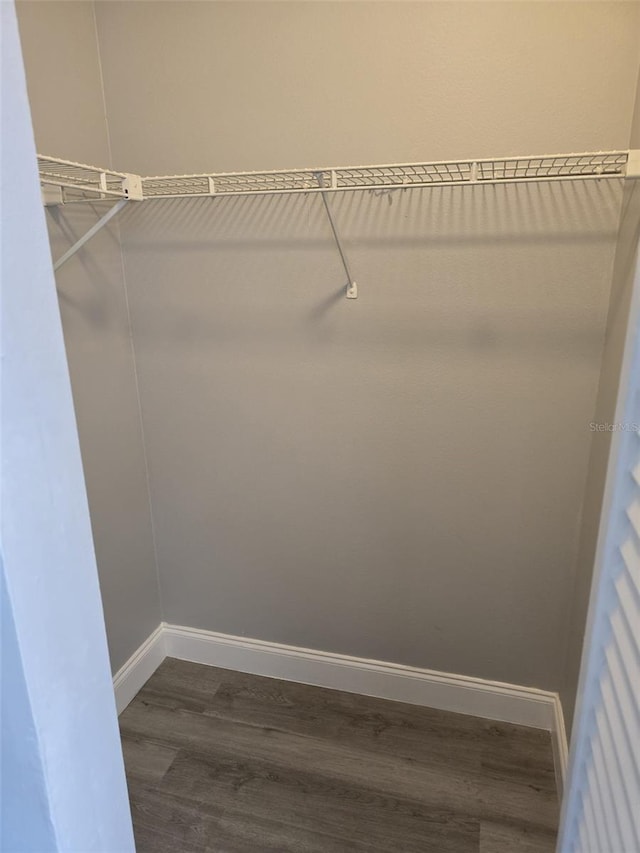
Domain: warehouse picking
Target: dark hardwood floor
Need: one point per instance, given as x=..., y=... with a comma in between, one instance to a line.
x=222, y=762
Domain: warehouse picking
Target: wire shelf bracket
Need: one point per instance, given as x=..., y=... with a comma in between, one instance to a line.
x=117, y=207
x=63, y=181
x=352, y=287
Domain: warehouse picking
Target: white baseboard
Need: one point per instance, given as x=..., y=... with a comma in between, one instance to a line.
x=493, y=700
x=139, y=668
x=496, y=701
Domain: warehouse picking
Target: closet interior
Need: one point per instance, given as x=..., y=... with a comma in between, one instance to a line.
x=344, y=426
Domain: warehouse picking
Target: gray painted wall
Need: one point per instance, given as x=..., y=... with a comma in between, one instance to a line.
x=635, y=127
x=617, y=320
x=220, y=86
x=62, y=771
x=65, y=90
x=400, y=477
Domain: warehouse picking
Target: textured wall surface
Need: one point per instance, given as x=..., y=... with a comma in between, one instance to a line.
x=612, y=354
x=65, y=90
x=635, y=127
x=25, y=816
x=399, y=477
x=600, y=811
x=196, y=86
x=617, y=320
x=63, y=766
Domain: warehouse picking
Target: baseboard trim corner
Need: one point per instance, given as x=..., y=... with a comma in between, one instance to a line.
x=493, y=700
x=130, y=678
x=525, y=706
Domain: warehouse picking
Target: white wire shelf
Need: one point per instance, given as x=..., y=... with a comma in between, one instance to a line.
x=66, y=182
x=80, y=182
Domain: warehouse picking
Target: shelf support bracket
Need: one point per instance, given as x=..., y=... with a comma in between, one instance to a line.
x=352, y=287
x=633, y=164
x=90, y=233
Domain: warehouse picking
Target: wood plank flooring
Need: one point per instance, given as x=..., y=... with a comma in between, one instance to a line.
x=222, y=762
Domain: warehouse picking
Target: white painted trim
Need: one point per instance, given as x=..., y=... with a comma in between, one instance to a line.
x=560, y=745
x=139, y=668
x=493, y=700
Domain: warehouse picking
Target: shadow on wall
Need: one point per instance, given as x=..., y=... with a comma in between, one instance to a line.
x=300, y=443
x=66, y=226
x=474, y=269
x=524, y=213
x=621, y=292
x=627, y=247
